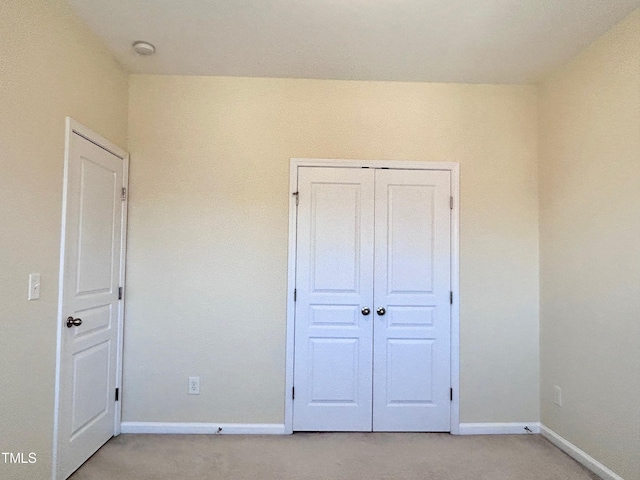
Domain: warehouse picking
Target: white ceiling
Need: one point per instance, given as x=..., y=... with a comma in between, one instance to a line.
x=470, y=41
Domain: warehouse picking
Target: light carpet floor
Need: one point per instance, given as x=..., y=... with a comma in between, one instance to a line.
x=331, y=456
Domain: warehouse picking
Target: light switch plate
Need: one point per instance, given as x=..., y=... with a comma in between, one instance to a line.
x=557, y=395
x=34, y=286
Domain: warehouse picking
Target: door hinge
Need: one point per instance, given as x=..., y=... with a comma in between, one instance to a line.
x=295, y=294
x=293, y=393
x=451, y=203
x=451, y=394
x=451, y=298
x=119, y=293
x=117, y=394
x=297, y=195
x=124, y=194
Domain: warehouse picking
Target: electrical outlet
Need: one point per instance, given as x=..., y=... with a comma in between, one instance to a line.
x=194, y=386
x=557, y=395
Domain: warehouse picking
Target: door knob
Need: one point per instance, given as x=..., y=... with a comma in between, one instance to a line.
x=366, y=311
x=73, y=322
x=381, y=311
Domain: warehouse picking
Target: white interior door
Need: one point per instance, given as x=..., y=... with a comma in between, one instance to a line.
x=91, y=266
x=412, y=378
x=333, y=339
x=372, y=314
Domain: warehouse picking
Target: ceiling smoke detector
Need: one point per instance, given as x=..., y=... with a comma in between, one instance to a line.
x=143, y=48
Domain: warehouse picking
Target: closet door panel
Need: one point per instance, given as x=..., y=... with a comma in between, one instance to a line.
x=411, y=379
x=334, y=282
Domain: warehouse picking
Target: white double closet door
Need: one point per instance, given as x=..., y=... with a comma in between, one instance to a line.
x=372, y=314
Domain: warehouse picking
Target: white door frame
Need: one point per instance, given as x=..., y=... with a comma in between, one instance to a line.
x=454, y=168
x=75, y=127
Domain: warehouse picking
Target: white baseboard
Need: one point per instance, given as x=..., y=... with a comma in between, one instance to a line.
x=499, y=428
x=203, y=428
x=578, y=455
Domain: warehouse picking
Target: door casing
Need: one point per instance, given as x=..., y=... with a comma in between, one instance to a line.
x=75, y=127
x=454, y=168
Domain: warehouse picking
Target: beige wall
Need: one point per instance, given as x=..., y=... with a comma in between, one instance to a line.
x=50, y=67
x=590, y=249
x=208, y=232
